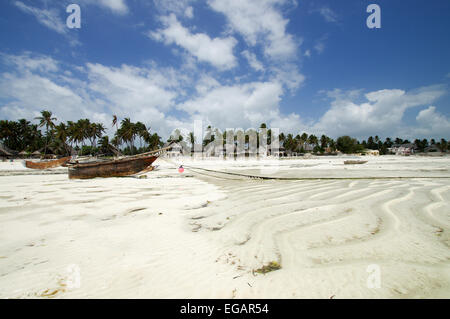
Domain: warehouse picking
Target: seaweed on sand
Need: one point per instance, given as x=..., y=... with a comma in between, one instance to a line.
x=272, y=266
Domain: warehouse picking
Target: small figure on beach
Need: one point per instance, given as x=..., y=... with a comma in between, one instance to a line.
x=181, y=169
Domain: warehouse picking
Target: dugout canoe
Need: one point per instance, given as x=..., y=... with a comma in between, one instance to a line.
x=114, y=168
x=354, y=162
x=48, y=164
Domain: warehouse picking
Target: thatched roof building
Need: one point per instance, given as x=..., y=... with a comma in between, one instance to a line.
x=4, y=152
x=24, y=154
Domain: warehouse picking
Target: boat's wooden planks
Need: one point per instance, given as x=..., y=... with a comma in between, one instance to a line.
x=114, y=168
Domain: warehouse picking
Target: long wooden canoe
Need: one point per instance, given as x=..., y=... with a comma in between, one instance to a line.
x=351, y=162
x=47, y=164
x=114, y=168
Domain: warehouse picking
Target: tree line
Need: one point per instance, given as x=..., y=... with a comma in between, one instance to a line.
x=83, y=136
x=310, y=143
x=349, y=145
x=87, y=138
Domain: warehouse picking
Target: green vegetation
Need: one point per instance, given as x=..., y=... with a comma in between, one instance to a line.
x=272, y=266
x=325, y=145
x=349, y=145
x=70, y=137
x=87, y=138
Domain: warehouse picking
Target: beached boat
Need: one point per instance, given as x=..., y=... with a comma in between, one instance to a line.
x=114, y=168
x=352, y=162
x=47, y=164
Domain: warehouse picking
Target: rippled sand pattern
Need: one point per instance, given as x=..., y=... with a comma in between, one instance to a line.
x=198, y=235
x=127, y=236
x=326, y=233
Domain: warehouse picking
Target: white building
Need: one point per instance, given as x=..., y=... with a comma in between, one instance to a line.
x=372, y=152
x=402, y=149
x=176, y=150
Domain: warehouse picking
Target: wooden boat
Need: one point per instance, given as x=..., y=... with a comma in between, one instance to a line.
x=352, y=162
x=47, y=164
x=114, y=168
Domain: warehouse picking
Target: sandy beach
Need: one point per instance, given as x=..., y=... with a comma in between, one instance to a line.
x=204, y=234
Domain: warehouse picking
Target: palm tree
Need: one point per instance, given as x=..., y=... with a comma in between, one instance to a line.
x=303, y=140
x=23, y=127
x=297, y=140
x=96, y=131
x=127, y=132
x=289, y=143
x=324, y=140
x=313, y=140
x=115, y=141
x=105, y=146
x=78, y=132
x=8, y=133
x=71, y=127
x=282, y=138
x=443, y=145
x=35, y=141
x=192, y=141
x=62, y=135
x=114, y=122
x=304, y=137
x=104, y=142
x=154, y=141
x=388, y=143
x=141, y=131
x=46, y=120
x=84, y=127
x=332, y=145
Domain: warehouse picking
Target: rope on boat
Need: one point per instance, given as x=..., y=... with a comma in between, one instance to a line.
x=161, y=150
x=317, y=178
x=192, y=168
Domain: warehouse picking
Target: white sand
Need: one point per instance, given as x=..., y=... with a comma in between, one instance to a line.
x=194, y=235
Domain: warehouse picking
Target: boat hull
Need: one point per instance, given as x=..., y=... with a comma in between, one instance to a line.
x=116, y=168
x=47, y=165
x=355, y=162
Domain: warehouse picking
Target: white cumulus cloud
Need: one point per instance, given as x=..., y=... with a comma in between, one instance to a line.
x=47, y=17
x=432, y=123
x=259, y=22
x=240, y=106
x=328, y=14
x=382, y=113
x=253, y=60
x=216, y=51
x=118, y=7
x=179, y=7
x=165, y=98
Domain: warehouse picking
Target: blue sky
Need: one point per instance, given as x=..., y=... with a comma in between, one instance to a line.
x=297, y=65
